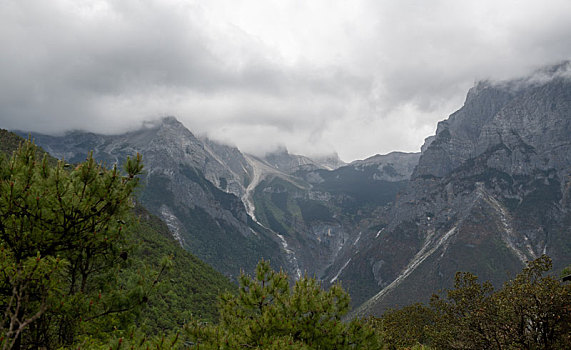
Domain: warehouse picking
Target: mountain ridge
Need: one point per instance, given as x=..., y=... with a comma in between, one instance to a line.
x=491, y=185
x=269, y=207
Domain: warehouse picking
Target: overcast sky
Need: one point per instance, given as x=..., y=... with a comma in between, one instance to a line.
x=358, y=77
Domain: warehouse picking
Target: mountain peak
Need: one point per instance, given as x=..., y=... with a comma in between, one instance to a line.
x=279, y=151
x=168, y=121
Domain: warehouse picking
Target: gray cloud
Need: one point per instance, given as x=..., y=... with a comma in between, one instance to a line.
x=360, y=77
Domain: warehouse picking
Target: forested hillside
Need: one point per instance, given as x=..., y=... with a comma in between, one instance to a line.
x=81, y=262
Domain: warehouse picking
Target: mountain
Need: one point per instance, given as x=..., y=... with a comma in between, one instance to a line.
x=232, y=209
x=491, y=191
x=189, y=287
x=194, y=186
x=288, y=163
x=321, y=213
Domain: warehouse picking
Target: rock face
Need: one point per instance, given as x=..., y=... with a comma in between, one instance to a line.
x=193, y=185
x=491, y=191
x=232, y=209
x=285, y=162
x=395, y=166
x=323, y=214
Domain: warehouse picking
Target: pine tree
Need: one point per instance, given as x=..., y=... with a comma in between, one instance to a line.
x=62, y=243
x=268, y=314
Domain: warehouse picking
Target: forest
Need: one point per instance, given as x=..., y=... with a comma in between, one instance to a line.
x=83, y=266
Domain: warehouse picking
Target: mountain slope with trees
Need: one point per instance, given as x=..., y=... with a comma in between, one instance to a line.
x=489, y=192
x=78, y=261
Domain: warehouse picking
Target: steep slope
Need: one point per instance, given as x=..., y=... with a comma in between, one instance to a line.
x=288, y=163
x=9, y=142
x=490, y=192
x=183, y=184
x=190, y=287
x=322, y=214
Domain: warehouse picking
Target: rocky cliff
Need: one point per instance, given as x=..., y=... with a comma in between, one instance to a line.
x=193, y=185
x=491, y=191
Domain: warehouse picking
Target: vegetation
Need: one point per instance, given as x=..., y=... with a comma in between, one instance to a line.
x=406, y=327
x=189, y=289
x=206, y=236
x=62, y=246
x=268, y=314
x=9, y=142
x=529, y=312
x=80, y=266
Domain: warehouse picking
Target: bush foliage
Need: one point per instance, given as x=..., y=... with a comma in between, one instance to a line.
x=268, y=314
x=531, y=311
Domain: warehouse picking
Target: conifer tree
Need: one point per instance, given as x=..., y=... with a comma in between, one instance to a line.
x=268, y=314
x=62, y=243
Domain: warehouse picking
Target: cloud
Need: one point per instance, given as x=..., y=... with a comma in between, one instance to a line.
x=357, y=77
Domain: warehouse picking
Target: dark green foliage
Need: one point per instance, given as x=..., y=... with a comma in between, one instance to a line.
x=529, y=312
x=406, y=327
x=213, y=238
x=312, y=210
x=268, y=314
x=275, y=204
x=210, y=232
x=133, y=280
x=190, y=288
x=62, y=245
x=9, y=142
x=535, y=311
x=157, y=191
x=280, y=199
x=360, y=188
x=464, y=317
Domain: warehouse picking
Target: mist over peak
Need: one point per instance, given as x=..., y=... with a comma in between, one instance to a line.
x=317, y=77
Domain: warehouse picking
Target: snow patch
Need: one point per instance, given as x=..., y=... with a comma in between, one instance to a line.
x=173, y=224
x=290, y=256
x=340, y=270
x=358, y=238
x=431, y=244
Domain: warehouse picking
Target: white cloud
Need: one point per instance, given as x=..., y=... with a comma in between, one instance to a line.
x=359, y=77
